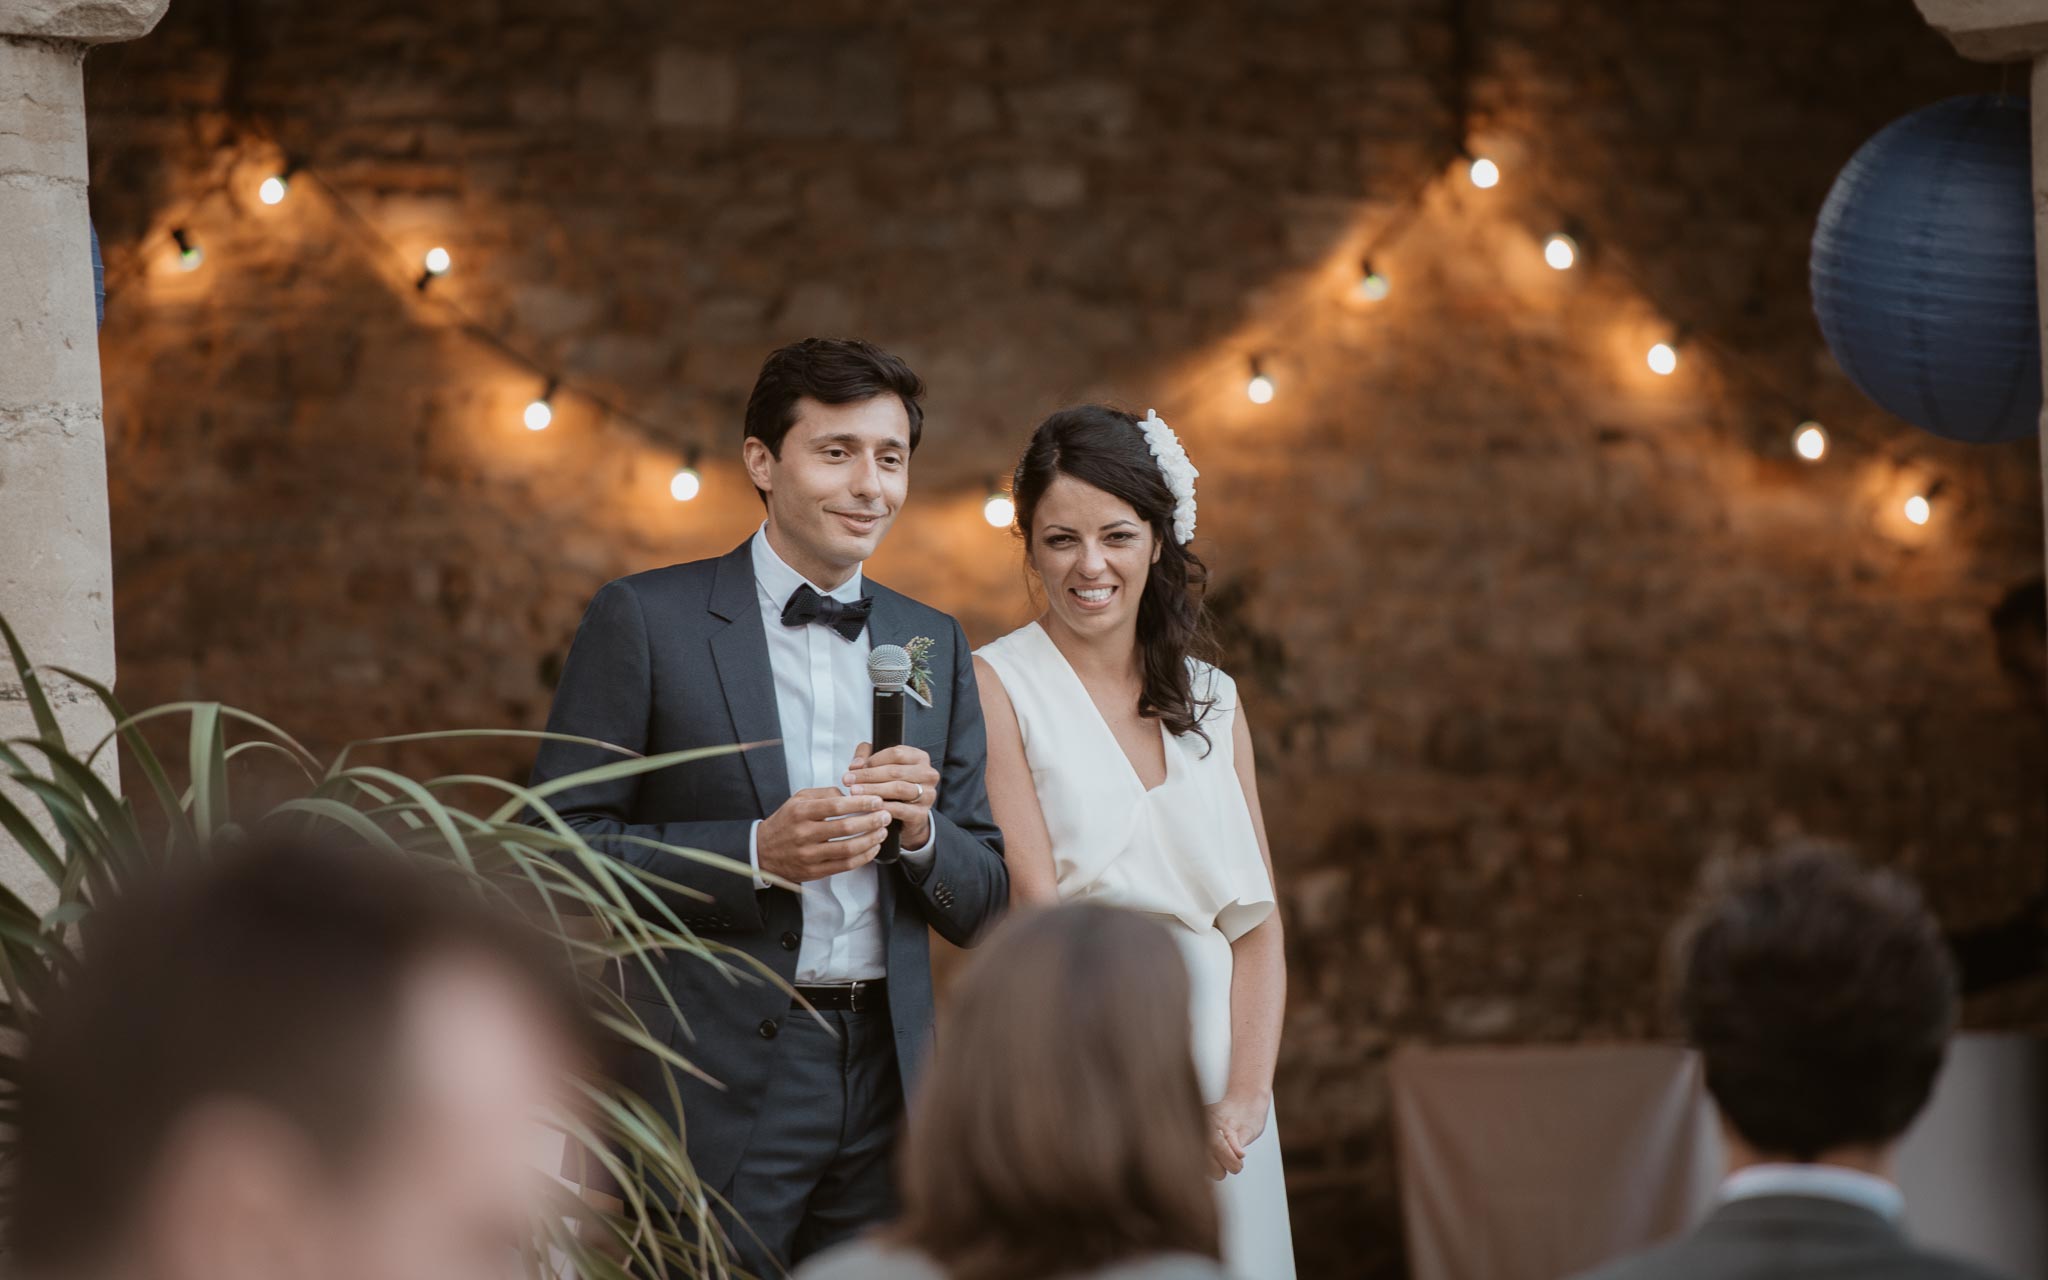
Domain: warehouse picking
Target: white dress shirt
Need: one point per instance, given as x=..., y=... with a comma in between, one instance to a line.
x=825, y=701
x=1827, y=1181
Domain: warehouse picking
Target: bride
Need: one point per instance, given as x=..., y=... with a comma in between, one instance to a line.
x=1120, y=771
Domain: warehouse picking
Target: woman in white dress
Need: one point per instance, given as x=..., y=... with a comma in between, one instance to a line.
x=1120, y=770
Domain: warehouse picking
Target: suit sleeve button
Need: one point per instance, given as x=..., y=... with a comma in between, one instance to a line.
x=769, y=1029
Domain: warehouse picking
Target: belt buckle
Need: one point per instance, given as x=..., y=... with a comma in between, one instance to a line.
x=856, y=997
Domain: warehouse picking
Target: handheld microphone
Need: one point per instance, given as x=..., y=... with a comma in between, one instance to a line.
x=889, y=669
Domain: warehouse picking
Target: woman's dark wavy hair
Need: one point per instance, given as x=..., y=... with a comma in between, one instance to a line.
x=1106, y=448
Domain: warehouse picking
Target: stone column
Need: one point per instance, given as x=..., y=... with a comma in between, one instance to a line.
x=2011, y=31
x=56, y=570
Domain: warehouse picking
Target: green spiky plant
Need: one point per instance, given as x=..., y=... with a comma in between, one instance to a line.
x=604, y=913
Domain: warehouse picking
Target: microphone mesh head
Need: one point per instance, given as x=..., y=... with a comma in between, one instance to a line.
x=889, y=667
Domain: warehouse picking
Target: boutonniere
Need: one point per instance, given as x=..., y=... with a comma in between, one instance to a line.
x=920, y=651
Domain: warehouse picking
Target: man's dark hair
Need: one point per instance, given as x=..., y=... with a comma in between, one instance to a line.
x=1820, y=996
x=830, y=371
x=274, y=974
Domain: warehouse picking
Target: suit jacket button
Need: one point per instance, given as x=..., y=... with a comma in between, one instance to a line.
x=769, y=1029
x=789, y=941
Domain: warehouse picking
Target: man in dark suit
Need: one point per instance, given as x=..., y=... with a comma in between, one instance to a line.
x=1821, y=998
x=771, y=643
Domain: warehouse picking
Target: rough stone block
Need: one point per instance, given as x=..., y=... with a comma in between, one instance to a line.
x=822, y=85
x=1053, y=186
x=695, y=88
x=55, y=571
x=85, y=21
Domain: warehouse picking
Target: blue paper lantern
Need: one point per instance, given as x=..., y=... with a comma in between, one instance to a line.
x=1923, y=271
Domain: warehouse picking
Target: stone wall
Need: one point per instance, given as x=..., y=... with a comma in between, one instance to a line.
x=1526, y=630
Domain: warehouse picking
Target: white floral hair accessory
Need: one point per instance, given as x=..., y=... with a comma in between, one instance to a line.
x=1179, y=472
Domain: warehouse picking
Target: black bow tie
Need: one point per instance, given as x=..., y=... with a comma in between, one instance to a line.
x=848, y=617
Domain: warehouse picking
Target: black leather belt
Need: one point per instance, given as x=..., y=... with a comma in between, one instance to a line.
x=849, y=997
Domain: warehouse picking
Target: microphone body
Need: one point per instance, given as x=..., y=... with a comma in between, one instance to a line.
x=889, y=733
x=889, y=670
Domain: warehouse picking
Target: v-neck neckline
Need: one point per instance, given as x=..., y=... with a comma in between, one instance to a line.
x=1130, y=767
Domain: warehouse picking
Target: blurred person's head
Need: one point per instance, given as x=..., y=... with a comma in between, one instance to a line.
x=1820, y=996
x=1063, y=1127
x=830, y=428
x=1097, y=519
x=293, y=1063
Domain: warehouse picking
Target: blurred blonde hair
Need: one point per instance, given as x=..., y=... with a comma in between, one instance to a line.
x=1061, y=1127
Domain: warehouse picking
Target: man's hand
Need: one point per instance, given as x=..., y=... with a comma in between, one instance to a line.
x=903, y=777
x=818, y=833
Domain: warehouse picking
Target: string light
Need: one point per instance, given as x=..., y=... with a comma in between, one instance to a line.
x=537, y=415
x=1561, y=252
x=541, y=412
x=275, y=187
x=1260, y=389
x=435, y=263
x=999, y=510
x=1918, y=510
x=1372, y=286
x=686, y=484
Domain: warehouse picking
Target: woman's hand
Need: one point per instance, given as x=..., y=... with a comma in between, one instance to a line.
x=1234, y=1124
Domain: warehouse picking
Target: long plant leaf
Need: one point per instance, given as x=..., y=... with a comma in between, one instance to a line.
x=32, y=688
x=181, y=835
x=209, y=767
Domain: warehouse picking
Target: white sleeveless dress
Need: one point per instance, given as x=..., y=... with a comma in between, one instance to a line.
x=1185, y=853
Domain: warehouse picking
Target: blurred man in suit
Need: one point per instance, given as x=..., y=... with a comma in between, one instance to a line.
x=1821, y=998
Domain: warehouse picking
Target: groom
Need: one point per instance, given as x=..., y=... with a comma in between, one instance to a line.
x=771, y=642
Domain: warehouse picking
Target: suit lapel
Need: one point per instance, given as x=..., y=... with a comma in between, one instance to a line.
x=890, y=623
x=894, y=621
x=740, y=651
x=885, y=622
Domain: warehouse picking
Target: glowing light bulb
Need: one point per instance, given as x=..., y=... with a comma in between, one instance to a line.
x=1372, y=286
x=539, y=414
x=685, y=485
x=999, y=511
x=1918, y=510
x=1810, y=441
x=1663, y=359
x=1260, y=389
x=1561, y=251
x=273, y=189
x=1485, y=173
x=189, y=255
x=436, y=262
